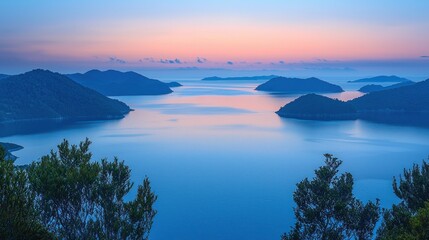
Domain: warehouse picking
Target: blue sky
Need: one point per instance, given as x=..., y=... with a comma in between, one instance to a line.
x=320, y=36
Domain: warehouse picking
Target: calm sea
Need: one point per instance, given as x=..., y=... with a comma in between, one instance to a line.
x=224, y=165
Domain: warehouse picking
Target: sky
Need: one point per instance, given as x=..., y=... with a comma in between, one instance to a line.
x=198, y=37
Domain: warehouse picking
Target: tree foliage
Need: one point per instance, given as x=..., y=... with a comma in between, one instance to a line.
x=18, y=217
x=406, y=220
x=327, y=210
x=82, y=199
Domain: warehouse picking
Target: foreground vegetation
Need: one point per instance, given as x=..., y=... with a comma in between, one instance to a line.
x=327, y=210
x=65, y=195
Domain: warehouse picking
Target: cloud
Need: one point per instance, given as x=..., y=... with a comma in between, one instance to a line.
x=321, y=60
x=281, y=62
x=147, y=59
x=424, y=56
x=170, y=61
x=201, y=60
x=116, y=60
x=330, y=69
x=230, y=63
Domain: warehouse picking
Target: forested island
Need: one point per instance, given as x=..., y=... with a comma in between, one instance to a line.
x=381, y=79
x=403, y=105
x=45, y=95
x=377, y=87
x=116, y=83
x=317, y=107
x=298, y=85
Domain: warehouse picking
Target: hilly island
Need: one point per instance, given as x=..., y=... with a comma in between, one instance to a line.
x=403, y=105
x=298, y=85
x=377, y=87
x=381, y=79
x=115, y=83
x=43, y=95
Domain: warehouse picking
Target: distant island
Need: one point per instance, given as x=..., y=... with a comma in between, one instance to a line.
x=43, y=95
x=10, y=147
x=239, y=78
x=174, y=84
x=376, y=87
x=115, y=83
x=403, y=105
x=380, y=79
x=298, y=85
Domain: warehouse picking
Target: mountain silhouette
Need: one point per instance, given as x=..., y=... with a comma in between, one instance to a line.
x=381, y=79
x=115, y=83
x=42, y=94
x=298, y=85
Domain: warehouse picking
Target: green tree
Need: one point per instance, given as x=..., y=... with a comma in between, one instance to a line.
x=327, y=210
x=420, y=223
x=117, y=219
x=400, y=221
x=18, y=217
x=83, y=199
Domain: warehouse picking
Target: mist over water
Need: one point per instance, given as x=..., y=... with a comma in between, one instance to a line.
x=224, y=165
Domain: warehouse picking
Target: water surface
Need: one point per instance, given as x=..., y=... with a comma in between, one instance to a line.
x=224, y=165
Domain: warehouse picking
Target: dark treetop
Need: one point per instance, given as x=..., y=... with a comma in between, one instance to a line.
x=381, y=79
x=41, y=94
x=298, y=85
x=115, y=83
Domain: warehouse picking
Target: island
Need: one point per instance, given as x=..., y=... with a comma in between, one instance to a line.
x=298, y=85
x=10, y=147
x=116, y=83
x=174, y=84
x=380, y=79
x=43, y=95
x=407, y=105
x=317, y=107
x=239, y=78
x=376, y=87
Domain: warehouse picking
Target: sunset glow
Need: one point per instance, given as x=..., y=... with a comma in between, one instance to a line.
x=211, y=34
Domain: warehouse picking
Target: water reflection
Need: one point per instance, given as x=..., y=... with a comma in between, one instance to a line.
x=225, y=165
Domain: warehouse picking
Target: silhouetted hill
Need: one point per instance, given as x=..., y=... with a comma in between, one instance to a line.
x=174, y=84
x=412, y=98
x=298, y=85
x=313, y=106
x=41, y=94
x=3, y=76
x=239, y=78
x=115, y=83
x=403, y=105
x=381, y=79
x=374, y=87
